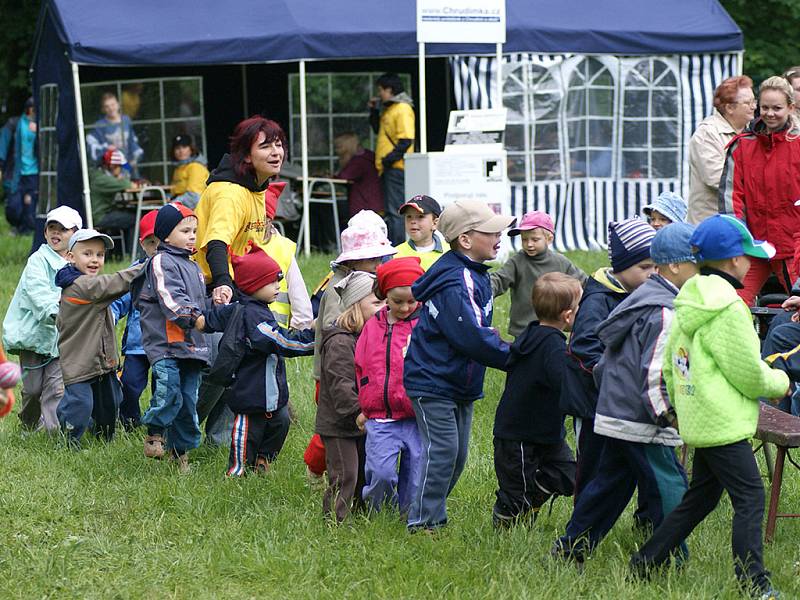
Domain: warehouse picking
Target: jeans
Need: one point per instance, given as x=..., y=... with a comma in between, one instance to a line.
x=93, y=402
x=444, y=428
x=173, y=407
x=135, y=370
x=394, y=195
x=386, y=442
x=21, y=205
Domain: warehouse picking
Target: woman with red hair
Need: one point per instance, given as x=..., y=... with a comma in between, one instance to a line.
x=734, y=105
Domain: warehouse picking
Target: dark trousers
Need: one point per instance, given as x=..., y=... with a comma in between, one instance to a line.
x=731, y=468
x=394, y=195
x=529, y=474
x=783, y=336
x=21, y=205
x=135, y=371
x=256, y=436
x=344, y=461
x=92, y=402
x=589, y=447
x=623, y=467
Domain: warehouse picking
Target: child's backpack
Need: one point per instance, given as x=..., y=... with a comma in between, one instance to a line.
x=233, y=345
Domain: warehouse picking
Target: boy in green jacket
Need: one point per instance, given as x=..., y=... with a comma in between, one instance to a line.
x=714, y=377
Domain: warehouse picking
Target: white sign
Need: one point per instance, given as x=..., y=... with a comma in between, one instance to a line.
x=475, y=128
x=461, y=21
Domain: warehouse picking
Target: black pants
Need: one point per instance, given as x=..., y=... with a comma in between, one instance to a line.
x=394, y=195
x=254, y=436
x=731, y=468
x=529, y=474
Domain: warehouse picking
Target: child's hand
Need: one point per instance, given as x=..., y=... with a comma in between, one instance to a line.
x=361, y=421
x=6, y=402
x=200, y=323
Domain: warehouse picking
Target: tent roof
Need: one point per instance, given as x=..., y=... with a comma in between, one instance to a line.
x=190, y=32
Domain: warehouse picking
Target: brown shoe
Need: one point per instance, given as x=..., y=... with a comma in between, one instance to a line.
x=262, y=466
x=154, y=446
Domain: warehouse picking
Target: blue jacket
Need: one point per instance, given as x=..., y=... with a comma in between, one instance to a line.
x=132, y=337
x=11, y=150
x=578, y=391
x=260, y=385
x=633, y=404
x=453, y=342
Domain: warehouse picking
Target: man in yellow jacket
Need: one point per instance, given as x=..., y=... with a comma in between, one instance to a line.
x=392, y=118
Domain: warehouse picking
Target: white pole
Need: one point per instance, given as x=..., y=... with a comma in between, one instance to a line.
x=499, y=81
x=304, y=150
x=423, y=106
x=87, y=199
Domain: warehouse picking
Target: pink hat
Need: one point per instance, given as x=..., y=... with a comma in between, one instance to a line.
x=364, y=242
x=533, y=220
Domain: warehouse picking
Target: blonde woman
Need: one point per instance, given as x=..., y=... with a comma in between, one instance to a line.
x=761, y=183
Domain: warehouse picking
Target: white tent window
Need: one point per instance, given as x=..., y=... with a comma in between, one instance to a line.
x=650, y=121
x=533, y=130
x=590, y=105
x=48, y=148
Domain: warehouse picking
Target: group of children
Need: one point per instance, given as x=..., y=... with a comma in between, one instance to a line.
x=401, y=343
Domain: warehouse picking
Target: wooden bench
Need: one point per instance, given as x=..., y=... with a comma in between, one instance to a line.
x=783, y=430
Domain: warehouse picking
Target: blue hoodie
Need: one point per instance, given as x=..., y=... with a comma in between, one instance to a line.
x=453, y=342
x=123, y=307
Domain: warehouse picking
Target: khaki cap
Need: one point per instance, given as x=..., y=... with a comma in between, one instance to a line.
x=462, y=216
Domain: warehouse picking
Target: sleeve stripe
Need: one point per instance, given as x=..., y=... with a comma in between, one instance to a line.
x=471, y=293
x=268, y=331
x=658, y=401
x=161, y=286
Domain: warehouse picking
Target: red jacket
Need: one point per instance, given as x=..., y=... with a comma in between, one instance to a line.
x=380, y=351
x=761, y=183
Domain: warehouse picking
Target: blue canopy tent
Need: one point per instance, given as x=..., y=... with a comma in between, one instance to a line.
x=74, y=33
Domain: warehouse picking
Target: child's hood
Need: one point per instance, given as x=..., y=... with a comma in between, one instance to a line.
x=603, y=277
x=446, y=272
x=529, y=340
x=67, y=275
x=701, y=300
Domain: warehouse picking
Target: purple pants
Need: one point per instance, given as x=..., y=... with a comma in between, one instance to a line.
x=385, y=443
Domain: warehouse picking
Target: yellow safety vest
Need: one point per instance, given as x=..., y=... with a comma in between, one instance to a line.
x=282, y=251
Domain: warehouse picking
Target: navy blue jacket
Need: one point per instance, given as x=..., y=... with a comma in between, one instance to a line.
x=529, y=409
x=453, y=342
x=260, y=385
x=578, y=390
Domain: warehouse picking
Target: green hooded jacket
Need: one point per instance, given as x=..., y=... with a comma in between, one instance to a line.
x=715, y=373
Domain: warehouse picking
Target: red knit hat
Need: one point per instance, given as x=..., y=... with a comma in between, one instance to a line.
x=271, y=195
x=254, y=270
x=147, y=225
x=398, y=272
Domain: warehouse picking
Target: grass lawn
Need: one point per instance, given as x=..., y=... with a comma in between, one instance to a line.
x=105, y=522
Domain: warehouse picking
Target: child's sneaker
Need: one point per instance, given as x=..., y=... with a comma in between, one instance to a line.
x=154, y=446
x=262, y=466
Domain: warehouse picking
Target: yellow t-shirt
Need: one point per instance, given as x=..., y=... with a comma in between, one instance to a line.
x=397, y=123
x=190, y=177
x=426, y=259
x=232, y=214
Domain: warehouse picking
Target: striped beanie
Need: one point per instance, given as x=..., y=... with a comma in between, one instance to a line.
x=628, y=243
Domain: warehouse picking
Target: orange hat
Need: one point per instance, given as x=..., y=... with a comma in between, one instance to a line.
x=147, y=225
x=398, y=272
x=271, y=195
x=254, y=270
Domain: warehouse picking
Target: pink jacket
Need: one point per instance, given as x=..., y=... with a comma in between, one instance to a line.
x=380, y=351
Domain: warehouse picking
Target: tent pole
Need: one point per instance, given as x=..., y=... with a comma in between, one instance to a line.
x=245, y=105
x=423, y=106
x=499, y=79
x=304, y=147
x=87, y=199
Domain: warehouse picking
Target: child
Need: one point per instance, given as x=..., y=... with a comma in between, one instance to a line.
x=170, y=301
x=259, y=393
x=449, y=350
x=29, y=328
x=532, y=460
x=87, y=342
x=391, y=427
x=338, y=406
x=667, y=208
x=631, y=265
x=634, y=415
x=136, y=367
x=714, y=375
x=364, y=247
x=521, y=271
x=421, y=216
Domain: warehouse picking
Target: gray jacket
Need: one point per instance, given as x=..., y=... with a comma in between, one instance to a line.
x=633, y=403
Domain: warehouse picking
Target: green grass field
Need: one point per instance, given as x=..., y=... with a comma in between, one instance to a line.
x=105, y=522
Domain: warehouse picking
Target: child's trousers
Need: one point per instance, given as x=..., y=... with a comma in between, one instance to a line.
x=386, y=442
x=623, y=467
x=42, y=390
x=444, y=427
x=344, y=460
x=256, y=436
x=93, y=401
x=731, y=468
x=173, y=407
x=135, y=370
x=528, y=474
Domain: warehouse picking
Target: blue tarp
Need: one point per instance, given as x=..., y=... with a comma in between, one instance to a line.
x=191, y=32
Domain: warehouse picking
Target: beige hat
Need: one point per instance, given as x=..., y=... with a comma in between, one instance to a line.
x=353, y=288
x=462, y=216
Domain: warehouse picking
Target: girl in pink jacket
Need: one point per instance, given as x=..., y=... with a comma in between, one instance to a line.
x=385, y=406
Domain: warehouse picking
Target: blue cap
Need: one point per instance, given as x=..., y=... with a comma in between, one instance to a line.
x=723, y=236
x=669, y=204
x=672, y=244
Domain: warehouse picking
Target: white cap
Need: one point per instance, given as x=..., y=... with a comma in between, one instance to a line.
x=68, y=217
